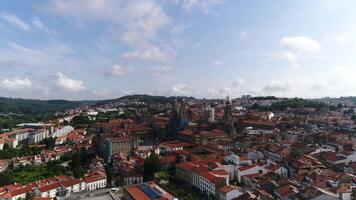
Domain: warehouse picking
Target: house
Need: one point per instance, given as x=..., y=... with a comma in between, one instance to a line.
x=286, y=192
x=128, y=172
x=312, y=193
x=95, y=180
x=176, y=145
x=206, y=176
x=249, y=170
x=16, y=192
x=247, y=196
x=49, y=190
x=232, y=159
x=228, y=192
x=72, y=185
x=280, y=170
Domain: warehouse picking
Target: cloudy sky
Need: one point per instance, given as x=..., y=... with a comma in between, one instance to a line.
x=97, y=49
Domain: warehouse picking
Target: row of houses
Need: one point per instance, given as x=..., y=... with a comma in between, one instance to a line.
x=59, y=186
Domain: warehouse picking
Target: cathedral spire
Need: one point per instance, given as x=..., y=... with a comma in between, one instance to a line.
x=227, y=109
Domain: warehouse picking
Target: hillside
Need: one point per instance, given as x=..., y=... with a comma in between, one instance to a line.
x=144, y=98
x=33, y=106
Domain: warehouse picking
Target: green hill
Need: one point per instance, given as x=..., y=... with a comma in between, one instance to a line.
x=34, y=106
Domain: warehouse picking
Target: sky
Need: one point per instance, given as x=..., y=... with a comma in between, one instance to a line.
x=100, y=49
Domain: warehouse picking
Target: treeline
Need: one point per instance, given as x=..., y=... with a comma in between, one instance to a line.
x=70, y=164
x=33, y=106
x=149, y=99
x=29, y=173
x=10, y=121
x=264, y=98
x=26, y=150
x=292, y=103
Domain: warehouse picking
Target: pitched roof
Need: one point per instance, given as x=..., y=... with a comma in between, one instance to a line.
x=49, y=187
x=226, y=189
x=136, y=193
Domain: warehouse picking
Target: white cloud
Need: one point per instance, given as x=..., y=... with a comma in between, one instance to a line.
x=211, y=91
x=300, y=43
x=68, y=84
x=36, y=22
x=137, y=22
x=15, y=21
x=16, y=84
x=276, y=86
x=341, y=39
x=203, y=5
x=117, y=70
x=334, y=82
x=225, y=91
x=243, y=35
x=289, y=56
x=152, y=53
x=56, y=53
x=101, y=93
x=218, y=62
x=160, y=71
x=181, y=89
x=238, y=81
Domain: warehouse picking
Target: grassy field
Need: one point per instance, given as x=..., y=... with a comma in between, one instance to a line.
x=31, y=173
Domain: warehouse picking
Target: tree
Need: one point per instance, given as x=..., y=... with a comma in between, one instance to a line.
x=78, y=172
x=178, y=158
x=81, y=120
x=29, y=196
x=76, y=165
x=189, y=157
x=353, y=117
x=6, y=146
x=339, y=105
x=151, y=165
x=49, y=142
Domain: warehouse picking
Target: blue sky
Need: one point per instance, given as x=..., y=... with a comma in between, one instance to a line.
x=98, y=49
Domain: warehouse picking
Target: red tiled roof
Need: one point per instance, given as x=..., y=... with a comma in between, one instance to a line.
x=186, y=166
x=20, y=191
x=49, y=187
x=247, y=196
x=42, y=198
x=287, y=190
x=226, y=189
x=210, y=177
x=175, y=144
x=71, y=182
x=168, y=159
x=136, y=193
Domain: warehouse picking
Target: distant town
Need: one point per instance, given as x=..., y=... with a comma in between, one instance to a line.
x=144, y=147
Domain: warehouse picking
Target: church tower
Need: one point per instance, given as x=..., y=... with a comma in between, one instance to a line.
x=183, y=110
x=227, y=109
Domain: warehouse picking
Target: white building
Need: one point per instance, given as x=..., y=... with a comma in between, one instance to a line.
x=209, y=113
x=249, y=170
x=62, y=131
x=207, y=177
x=95, y=184
x=228, y=192
x=49, y=190
x=95, y=181
x=21, y=135
x=37, y=136
x=73, y=185
x=232, y=159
